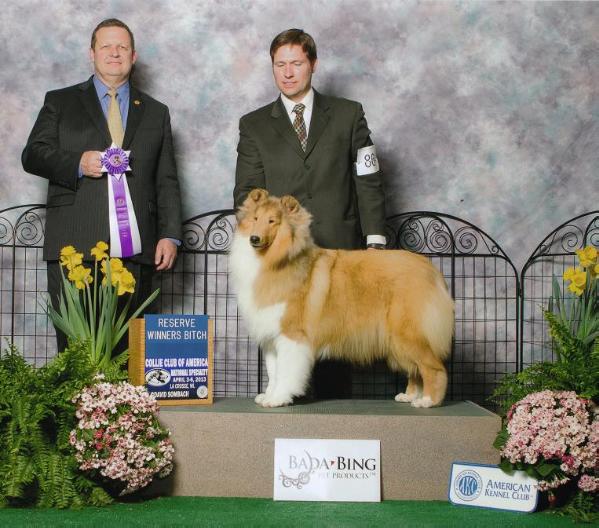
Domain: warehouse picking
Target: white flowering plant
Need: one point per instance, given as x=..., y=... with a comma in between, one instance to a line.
x=118, y=439
x=554, y=437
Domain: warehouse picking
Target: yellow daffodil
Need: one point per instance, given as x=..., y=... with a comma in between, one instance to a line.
x=595, y=270
x=69, y=257
x=569, y=273
x=116, y=264
x=587, y=256
x=99, y=251
x=119, y=276
x=126, y=282
x=67, y=251
x=578, y=278
x=80, y=276
x=116, y=267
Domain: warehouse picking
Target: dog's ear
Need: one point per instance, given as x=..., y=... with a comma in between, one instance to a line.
x=257, y=196
x=290, y=204
x=250, y=204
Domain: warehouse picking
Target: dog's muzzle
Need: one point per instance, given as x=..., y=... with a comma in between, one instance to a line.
x=255, y=241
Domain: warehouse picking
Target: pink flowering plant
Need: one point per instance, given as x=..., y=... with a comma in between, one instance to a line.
x=554, y=437
x=118, y=438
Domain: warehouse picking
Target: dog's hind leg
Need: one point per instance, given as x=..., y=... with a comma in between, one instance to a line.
x=294, y=361
x=413, y=390
x=270, y=358
x=398, y=361
x=434, y=379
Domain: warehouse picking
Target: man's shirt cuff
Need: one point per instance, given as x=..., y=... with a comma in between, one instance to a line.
x=376, y=239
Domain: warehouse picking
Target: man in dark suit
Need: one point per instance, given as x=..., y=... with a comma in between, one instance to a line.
x=318, y=149
x=74, y=127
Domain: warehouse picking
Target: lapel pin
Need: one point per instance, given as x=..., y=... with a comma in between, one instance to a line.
x=137, y=102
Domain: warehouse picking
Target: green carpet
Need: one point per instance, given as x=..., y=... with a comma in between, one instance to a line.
x=202, y=511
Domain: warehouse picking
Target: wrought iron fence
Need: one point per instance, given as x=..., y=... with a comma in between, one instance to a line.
x=484, y=284
x=497, y=327
x=549, y=260
x=23, y=320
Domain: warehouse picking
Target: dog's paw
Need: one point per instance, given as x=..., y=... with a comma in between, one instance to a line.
x=403, y=397
x=423, y=402
x=276, y=401
x=259, y=398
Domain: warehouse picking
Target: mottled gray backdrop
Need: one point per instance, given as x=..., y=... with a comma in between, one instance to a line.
x=484, y=110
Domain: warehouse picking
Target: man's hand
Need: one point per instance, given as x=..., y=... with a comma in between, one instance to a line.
x=90, y=163
x=166, y=254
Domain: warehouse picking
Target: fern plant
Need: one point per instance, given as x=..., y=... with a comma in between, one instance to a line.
x=36, y=415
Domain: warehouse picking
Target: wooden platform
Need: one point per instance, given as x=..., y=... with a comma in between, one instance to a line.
x=227, y=449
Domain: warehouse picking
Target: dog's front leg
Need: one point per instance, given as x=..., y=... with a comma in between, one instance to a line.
x=294, y=361
x=270, y=358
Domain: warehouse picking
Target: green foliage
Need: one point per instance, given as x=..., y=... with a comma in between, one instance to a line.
x=544, y=376
x=583, y=507
x=579, y=314
x=36, y=415
x=576, y=369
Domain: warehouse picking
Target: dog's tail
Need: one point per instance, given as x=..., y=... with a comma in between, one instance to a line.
x=438, y=319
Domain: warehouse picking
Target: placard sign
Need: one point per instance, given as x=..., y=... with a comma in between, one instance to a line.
x=488, y=486
x=175, y=363
x=327, y=470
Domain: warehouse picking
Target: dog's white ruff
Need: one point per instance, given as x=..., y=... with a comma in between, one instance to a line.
x=264, y=324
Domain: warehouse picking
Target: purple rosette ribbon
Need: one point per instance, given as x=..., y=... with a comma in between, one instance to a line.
x=125, y=240
x=116, y=160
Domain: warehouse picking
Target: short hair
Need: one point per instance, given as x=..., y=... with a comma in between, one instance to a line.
x=112, y=22
x=294, y=37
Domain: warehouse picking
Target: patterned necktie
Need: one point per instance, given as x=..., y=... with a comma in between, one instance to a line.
x=115, y=121
x=299, y=125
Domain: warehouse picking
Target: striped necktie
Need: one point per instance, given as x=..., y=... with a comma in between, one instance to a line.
x=115, y=120
x=299, y=125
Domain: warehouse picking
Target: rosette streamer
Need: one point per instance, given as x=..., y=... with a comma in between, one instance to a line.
x=125, y=240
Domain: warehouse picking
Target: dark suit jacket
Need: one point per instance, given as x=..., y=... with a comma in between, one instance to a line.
x=344, y=206
x=71, y=122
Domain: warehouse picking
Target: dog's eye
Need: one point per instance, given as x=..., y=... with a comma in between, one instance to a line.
x=271, y=221
x=255, y=218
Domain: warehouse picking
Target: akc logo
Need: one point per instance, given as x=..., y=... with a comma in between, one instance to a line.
x=468, y=485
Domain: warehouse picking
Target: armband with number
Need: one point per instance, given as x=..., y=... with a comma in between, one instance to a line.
x=366, y=161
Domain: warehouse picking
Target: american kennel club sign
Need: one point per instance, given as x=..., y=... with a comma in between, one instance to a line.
x=488, y=486
x=327, y=470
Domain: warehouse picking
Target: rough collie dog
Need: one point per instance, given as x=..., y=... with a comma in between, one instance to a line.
x=303, y=303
